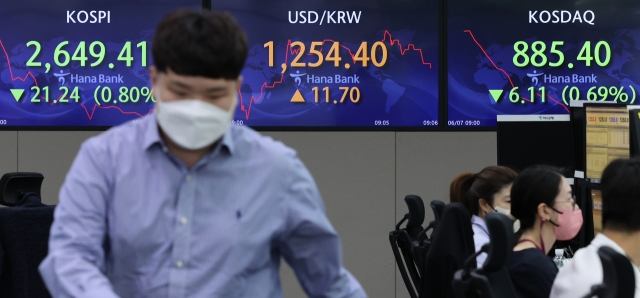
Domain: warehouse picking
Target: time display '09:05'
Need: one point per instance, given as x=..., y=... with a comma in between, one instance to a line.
x=63, y=55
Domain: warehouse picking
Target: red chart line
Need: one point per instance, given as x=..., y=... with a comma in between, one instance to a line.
x=291, y=51
x=89, y=114
x=506, y=74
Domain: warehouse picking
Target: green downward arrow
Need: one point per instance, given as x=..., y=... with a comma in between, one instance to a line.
x=17, y=93
x=496, y=94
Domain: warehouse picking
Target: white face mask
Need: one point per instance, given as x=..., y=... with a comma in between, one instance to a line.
x=191, y=123
x=507, y=212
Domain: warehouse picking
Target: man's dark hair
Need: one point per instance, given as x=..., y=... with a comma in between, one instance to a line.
x=200, y=43
x=621, y=195
x=535, y=185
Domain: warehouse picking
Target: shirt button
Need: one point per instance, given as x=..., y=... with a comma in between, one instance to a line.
x=179, y=264
x=183, y=220
x=165, y=149
x=188, y=177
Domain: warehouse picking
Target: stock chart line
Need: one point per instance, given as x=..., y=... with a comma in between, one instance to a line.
x=290, y=50
x=506, y=74
x=14, y=78
x=35, y=81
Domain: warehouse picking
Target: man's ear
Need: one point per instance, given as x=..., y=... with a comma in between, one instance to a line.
x=239, y=82
x=153, y=75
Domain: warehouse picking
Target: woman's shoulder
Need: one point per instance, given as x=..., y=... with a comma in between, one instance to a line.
x=529, y=259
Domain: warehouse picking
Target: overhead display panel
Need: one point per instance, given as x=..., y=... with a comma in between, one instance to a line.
x=534, y=57
x=77, y=64
x=338, y=64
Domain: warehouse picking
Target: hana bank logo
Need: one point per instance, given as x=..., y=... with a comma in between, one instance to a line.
x=297, y=76
x=60, y=76
x=534, y=77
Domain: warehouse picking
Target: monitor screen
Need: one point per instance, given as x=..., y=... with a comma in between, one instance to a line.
x=534, y=57
x=607, y=137
x=538, y=142
x=81, y=63
x=336, y=64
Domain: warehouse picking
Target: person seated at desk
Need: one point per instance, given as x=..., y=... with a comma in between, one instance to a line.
x=621, y=231
x=541, y=198
x=481, y=193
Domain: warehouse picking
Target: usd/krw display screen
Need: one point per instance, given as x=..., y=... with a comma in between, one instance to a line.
x=534, y=57
x=77, y=63
x=358, y=63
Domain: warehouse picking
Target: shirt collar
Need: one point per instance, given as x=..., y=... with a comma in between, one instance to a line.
x=476, y=220
x=152, y=135
x=602, y=240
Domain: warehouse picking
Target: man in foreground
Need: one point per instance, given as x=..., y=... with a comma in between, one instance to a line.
x=179, y=204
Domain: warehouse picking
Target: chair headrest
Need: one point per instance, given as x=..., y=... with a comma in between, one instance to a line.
x=501, y=241
x=437, y=207
x=13, y=186
x=618, y=276
x=416, y=211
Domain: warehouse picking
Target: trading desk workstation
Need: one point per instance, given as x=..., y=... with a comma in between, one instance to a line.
x=521, y=82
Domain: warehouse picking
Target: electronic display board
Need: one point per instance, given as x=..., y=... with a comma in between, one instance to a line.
x=81, y=63
x=336, y=64
x=534, y=57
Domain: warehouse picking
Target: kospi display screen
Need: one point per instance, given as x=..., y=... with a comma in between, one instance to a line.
x=534, y=57
x=321, y=63
x=81, y=63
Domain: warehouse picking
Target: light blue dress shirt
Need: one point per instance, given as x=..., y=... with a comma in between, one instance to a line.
x=480, y=237
x=217, y=229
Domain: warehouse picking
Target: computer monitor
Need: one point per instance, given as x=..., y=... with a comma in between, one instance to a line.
x=634, y=131
x=606, y=137
x=526, y=140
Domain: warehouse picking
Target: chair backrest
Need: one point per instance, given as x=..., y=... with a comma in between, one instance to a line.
x=420, y=247
x=451, y=245
x=501, y=241
x=401, y=240
x=416, y=215
x=24, y=235
x=618, y=277
x=437, y=207
x=492, y=280
x=13, y=186
x=500, y=247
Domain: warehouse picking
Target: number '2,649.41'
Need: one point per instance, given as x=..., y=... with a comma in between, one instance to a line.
x=96, y=49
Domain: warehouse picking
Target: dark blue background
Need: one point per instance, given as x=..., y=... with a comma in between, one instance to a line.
x=403, y=92
x=497, y=25
x=45, y=21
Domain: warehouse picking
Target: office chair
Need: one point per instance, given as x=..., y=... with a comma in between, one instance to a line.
x=14, y=186
x=401, y=240
x=451, y=245
x=618, y=278
x=24, y=235
x=492, y=280
x=420, y=246
x=437, y=207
